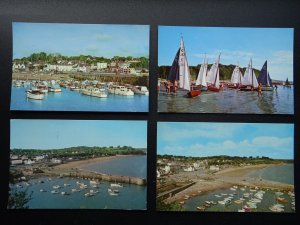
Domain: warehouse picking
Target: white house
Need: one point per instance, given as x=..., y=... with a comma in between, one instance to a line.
x=189, y=169
x=16, y=162
x=39, y=157
x=101, y=66
x=214, y=168
x=28, y=162
x=54, y=160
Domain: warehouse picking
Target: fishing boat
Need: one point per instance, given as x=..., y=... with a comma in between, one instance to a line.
x=36, y=95
x=236, y=78
x=213, y=76
x=122, y=90
x=249, y=81
x=54, y=88
x=95, y=92
x=201, y=78
x=281, y=200
x=180, y=73
x=264, y=78
x=142, y=90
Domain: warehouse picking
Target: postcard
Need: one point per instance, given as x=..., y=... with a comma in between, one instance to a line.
x=80, y=67
x=78, y=164
x=225, y=167
x=225, y=70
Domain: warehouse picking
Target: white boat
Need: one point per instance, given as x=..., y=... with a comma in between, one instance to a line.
x=213, y=76
x=54, y=192
x=276, y=208
x=56, y=186
x=236, y=78
x=201, y=78
x=95, y=92
x=122, y=90
x=112, y=192
x=36, y=95
x=42, y=190
x=142, y=90
x=116, y=185
x=54, y=87
x=249, y=81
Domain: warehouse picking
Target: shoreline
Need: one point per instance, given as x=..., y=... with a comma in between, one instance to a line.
x=227, y=178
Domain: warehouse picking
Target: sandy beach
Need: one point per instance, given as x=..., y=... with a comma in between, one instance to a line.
x=67, y=167
x=225, y=179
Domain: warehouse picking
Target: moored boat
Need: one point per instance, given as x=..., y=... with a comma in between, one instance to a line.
x=36, y=95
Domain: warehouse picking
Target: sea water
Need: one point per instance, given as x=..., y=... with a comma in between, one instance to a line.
x=282, y=173
x=119, y=166
x=279, y=101
x=130, y=196
x=269, y=199
x=68, y=100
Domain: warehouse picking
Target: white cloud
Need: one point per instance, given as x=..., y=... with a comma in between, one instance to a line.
x=274, y=142
x=273, y=147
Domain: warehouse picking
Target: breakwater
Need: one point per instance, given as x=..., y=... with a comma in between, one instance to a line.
x=99, y=176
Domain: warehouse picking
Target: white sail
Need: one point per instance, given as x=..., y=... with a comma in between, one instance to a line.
x=249, y=76
x=201, y=79
x=184, y=72
x=236, y=77
x=213, y=74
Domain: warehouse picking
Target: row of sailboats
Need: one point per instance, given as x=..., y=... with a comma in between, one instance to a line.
x=210, y=79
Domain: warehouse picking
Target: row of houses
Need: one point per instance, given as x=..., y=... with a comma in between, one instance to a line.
x=24, y=160
x=113, y=67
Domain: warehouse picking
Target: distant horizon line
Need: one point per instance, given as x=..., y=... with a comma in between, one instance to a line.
x=13, y=149
x=254, y=157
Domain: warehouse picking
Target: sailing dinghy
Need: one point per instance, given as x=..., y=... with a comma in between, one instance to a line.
x=249, y=81
x=236, y=78
x=264, y=78
x=180, y=72
x=213, y=76
x=201, y=78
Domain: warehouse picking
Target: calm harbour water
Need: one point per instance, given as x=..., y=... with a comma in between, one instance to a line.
x=119, y=166
x=74, y=101
x=269, y=198
x=130, y=196
x=280, y=101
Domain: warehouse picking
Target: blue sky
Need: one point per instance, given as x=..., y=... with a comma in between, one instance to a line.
x=77, y=39
x=236, y=45
x=232, y=139
x=52, y=134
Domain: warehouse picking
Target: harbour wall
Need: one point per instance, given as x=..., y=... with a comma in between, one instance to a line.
x=106, y=177
x=172, y=192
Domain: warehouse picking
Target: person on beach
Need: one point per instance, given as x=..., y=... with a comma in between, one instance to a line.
x=259, y=89
x=175, y=86
x=168, y=87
